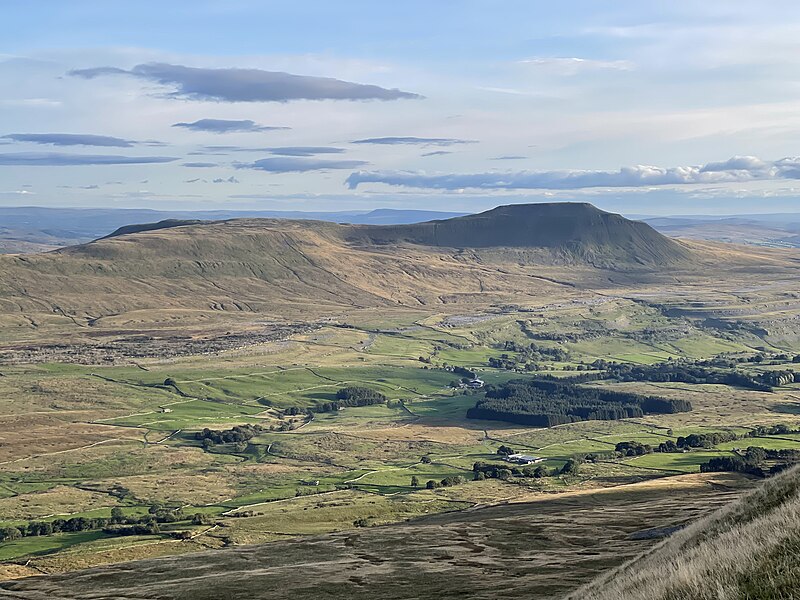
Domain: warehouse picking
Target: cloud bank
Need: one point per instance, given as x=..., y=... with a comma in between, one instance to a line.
x=304, y=150
x=299, y=165
x=738, y=169
x=247, y=85
x=70, y=139
x=227, y=126
x=410, y=140
x=59, y=159
x=199, y=165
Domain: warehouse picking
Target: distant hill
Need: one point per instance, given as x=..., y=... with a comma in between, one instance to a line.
x=577, y=229
x=776, y=231
x=567, y=231
x=301, y=268
x=747, y=550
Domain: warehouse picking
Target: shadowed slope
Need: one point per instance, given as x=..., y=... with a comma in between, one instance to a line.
x=576, y=228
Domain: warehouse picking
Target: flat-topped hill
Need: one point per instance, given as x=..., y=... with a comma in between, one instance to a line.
x=302, y=268
x=579, y=229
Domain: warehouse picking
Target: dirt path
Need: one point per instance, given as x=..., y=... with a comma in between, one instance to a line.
x=16, y=460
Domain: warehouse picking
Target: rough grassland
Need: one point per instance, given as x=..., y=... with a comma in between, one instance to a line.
x=745, y=551
x=541, y=549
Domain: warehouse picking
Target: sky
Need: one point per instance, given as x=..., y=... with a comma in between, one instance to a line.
x=646, y=108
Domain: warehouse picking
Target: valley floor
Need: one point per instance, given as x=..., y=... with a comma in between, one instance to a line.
x=94, y=427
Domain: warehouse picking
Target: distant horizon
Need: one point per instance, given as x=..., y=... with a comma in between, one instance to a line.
x=366, y=211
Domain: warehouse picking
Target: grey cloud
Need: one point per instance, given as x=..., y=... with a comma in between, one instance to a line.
x=227, y=126
x=230, y=179
x=58, y=159
x=299, y=165
x=230, y=149
x=279, y=151
x=410, y=140
x=199, y=165
x=98, y=72
x=436, y=153
x=304, y=150
x=736, y=170
x=247, y=85
x=70, y=139
x=510, y=157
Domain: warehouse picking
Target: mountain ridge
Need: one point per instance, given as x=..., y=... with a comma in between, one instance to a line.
x=578, y=228
x=312, y=267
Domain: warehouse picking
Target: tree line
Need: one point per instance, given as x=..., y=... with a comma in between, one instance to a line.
x=117, y=524
x=545, y=403
x=352, y=396
x=237, y=434
x=720, y=370
x=526, y=356
x=753, y=462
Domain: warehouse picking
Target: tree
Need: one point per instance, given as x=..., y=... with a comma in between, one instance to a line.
x=425, y=460
x=505, y=451
x=360, y=522
x=201, y=519
x=414, y=481
x=9, y=533
x=117, y=516
x=432, y=485
x=569, y=468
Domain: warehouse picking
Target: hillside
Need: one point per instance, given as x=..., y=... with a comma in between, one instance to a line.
x=30, y=229
x=746, y=550
x=282, y=267
x=577, y=229
x=514, y=550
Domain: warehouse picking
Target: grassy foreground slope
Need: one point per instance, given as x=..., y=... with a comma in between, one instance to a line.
x=748, y=550
x=542, y=549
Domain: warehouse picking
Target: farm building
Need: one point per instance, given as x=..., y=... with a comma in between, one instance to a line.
x=524, y=459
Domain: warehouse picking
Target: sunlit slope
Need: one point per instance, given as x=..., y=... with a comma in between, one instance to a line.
x=279, y=266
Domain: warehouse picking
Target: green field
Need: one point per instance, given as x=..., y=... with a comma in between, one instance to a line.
x=125, y=435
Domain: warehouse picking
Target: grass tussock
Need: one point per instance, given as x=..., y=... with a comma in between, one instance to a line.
x=749, y=550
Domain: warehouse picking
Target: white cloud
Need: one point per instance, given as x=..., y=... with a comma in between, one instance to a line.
x=738, y=169
x=573, y=65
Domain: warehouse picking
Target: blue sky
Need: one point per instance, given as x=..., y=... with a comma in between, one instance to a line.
x=646, y=108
